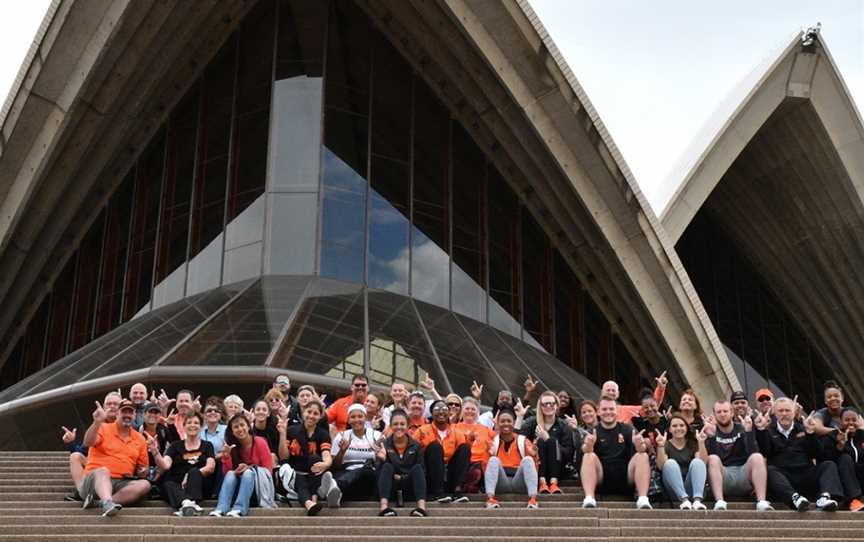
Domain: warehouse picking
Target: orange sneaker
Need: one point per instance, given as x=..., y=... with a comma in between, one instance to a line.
x=856, y=505
x=553, y=488
x=492, y=502
x=532, y=502
x=543, y=488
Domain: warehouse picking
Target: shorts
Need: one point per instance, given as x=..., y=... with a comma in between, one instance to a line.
x=88, y=485
x=615, y=480
x=735, y=482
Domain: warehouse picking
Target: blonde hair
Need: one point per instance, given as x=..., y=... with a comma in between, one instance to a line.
x=541, y=418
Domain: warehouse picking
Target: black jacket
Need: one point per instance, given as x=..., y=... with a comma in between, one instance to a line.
x=402, y=465
x=559, y=431
x=797, y=451
x=854, y=447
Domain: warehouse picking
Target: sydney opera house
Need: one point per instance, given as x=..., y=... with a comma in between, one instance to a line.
x=212, y=193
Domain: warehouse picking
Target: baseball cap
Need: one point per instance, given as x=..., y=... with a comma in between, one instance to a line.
x=763, y=392
x=737, y=395
x=126, y=403
x=148, y=406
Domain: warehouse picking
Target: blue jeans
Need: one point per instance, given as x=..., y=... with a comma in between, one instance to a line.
x=678, y=486
x=246, y=481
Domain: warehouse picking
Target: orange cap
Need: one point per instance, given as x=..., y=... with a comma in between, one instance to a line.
x=764, y=391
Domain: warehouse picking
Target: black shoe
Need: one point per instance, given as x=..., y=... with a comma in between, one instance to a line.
x=314, y=509
x=419, y=513
x=443, y=499
x=460, y=498
x=388, y=512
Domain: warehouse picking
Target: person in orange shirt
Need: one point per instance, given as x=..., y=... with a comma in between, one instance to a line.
x=512, y=467
x=480, y=437
x=337, y=414
x=446, y=453
x=115, y=462
x=626, y=412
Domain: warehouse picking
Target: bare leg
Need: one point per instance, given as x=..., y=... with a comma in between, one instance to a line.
x=591, y=473
x=715, y=477
x=757, y=473
x=639, y=473
x=102, y=484
x=132, y=493
x=385, y=504
x=77, y=462
x=421, y=504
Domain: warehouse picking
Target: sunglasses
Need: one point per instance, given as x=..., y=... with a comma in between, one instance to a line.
x=763, y=399
x=454, y=404
x=359, y=385
x=440, y=407
x=212, y=411
x=547, y=404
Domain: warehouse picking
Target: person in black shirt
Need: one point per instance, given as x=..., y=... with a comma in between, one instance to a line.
x=845, y=447
x=790, y=448
x=652, y=422
x=307, y=449
x=735, y=466
x=681, y=458
x=553, y=439
x=188, y=467
x=399, y=464
x=616, y=458
x=264, y=426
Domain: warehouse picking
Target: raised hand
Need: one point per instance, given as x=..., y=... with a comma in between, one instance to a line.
x=196, y=404
x=762, y=421
x=589, y=441
x=572, y=421
x=530, y=384
x=152, y=444
x=428, y=384
x=810, y=422
x=284, y=410
x=668, y=413
x=381, y=453
x=660, y=440
x=639, y=441
x=661, y=380
x=282, y=425
x=842, y=439
x=69, y=436
x=701, y=436
x=172, y=417
x=476, y=390
x=163, y=400
x=519, y=408
x=99, y=415
x=541, y=432
x=226, y=450
x=746, y=423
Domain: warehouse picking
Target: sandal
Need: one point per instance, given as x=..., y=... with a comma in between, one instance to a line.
x=388, y=512
x=314, y=509
x=419, y=513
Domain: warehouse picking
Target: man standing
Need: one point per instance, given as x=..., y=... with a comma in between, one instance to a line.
x=283, y=384
x=117, y=456
x=337, y=414
x=735, y=466
x=790, y=448
x=176, y=424
x=615, y=458
x=138, y=396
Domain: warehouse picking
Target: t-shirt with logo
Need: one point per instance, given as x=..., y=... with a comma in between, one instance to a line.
x=183, y=459
x=733, y=448
x=301, y=458
x=360, y=449
x=614, y=446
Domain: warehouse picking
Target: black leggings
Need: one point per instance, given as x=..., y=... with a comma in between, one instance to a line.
x=357, y=482
x=851, y=476
x=197, y=486
x=445, y=476
x=413, y=484
x=550, y=463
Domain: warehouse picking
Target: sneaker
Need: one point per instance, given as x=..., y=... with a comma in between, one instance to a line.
x=326, y=484
x=178, y=513
x=234, y=514
x=187, y=508
x=589, y=502
x=826, y=503
x=216, y=513
x=460, y=498
x=532, y=503
x=543, y=487
x=443, y=499
x=314, y=509
x=197, y=509
x=800, y=503
x=554, y=489
x=642, y=503
x=492, y=502
x=334, y=496
x=720, y=505
x=72, y=496
x=855, y=505
x=88, y=502
x=764, y=506
x=685, y=505
x=110, y=508
x=698, y=505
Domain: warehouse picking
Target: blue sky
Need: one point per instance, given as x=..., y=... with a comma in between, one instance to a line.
x=655, y=71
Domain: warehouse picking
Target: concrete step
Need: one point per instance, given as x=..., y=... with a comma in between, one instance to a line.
x=287, y=535
x=486, y=520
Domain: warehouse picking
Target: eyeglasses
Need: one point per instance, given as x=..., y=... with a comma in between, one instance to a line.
x=359, y=385
x=763, y=399
x=211, y=411
x=547, y=404
x=454, y=404
x=439, y=407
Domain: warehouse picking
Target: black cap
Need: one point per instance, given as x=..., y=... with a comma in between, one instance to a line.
x=126, y=403
x=148, y=406
x=737, y=396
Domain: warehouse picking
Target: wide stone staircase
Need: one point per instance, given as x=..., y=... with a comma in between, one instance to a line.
x=32, y=486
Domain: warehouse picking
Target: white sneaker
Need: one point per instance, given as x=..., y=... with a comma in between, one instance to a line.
x=800, y=503
x=216, y=513
x=826, y=503
x=187, y=508
x=686, y=505
x=698, y=505
x=334, y=496
x=589, y=502
x=764, y=506
x=720, y=505
x=234, y=514
x=324, y=487
x=642, y=503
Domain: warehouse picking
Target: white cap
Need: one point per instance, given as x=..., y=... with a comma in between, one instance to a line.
x=357, y=406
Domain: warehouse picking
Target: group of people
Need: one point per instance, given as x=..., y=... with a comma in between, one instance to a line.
x=422, y=447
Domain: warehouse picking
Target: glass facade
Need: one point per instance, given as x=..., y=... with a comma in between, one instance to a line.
x=311, y=156
x=766, y=345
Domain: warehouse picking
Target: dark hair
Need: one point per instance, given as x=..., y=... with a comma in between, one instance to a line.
x=831, y=384
x=689, y=437
x=646, y=394
x=184, y=390
x=399, y=412
x=850, y=409
x=435, y=402
x=570, y=409
x=231, y=439
x=698, y=410
x=508, y=411
x=359, y=377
